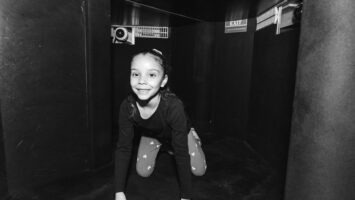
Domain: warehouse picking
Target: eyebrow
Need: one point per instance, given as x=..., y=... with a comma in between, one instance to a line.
x=157, y=70
x=154, y=70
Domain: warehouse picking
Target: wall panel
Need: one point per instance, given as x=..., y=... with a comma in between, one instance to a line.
x=272, y=91
x=232, y=70
x=47, y=91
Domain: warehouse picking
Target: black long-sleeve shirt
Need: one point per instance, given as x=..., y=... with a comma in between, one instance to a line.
x=168, y=124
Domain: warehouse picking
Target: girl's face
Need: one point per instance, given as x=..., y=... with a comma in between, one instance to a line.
x=147, y=76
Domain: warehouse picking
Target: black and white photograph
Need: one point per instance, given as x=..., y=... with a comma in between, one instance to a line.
x=177, y=100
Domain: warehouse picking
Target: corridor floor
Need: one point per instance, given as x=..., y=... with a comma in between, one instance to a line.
x=234, y=172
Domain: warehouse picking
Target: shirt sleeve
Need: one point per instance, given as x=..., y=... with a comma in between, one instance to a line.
x=124, y=147
x=177, y=120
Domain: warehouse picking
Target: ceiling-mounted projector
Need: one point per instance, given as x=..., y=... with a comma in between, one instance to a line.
x=122, y=35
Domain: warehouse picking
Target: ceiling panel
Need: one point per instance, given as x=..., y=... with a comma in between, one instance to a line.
x=203, y=10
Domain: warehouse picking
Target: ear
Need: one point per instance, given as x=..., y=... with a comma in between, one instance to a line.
x=165, y=81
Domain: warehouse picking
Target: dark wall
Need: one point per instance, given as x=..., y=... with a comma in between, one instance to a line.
x=49, y=92
x=98, y=58
x=272, y=91
x=192, y=60
x=203, y=64
x=3, y=178
x=232, y=71
x=181, y=79
x=322, y=147
x=44, y=92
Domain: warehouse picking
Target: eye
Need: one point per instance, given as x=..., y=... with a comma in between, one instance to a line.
x=134, y=74
x=153, y=75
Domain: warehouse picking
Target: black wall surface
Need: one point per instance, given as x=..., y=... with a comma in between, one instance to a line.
x=232, y=74
x=322, y=147
x=55, y=95
x=192, y=61
x=99, y=81
x=181, y=78
x=3, y=179
x=231, y=71
x=272, y=92
x=203, y=64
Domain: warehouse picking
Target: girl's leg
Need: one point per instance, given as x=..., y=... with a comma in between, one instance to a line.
x=198, y=160
x=147, y=153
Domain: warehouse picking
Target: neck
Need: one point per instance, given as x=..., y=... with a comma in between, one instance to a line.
x=150, y=103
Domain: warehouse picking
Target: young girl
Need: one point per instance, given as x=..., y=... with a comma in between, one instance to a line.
x=159, y=116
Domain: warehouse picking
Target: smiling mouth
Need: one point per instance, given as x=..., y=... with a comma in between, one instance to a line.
x=143, y=90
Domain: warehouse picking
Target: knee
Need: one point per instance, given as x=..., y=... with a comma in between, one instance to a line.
x=199, y=170
x=144, y=170
x=144, y=173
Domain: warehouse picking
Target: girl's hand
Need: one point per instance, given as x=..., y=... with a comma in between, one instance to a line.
x=120, y=196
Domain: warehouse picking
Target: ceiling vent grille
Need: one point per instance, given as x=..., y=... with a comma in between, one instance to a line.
x=151, y=32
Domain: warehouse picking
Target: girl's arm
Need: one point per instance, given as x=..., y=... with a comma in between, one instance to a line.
x=124, y=148
x=178, y=122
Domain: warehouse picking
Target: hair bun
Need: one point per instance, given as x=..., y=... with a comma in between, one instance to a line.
x=157, y=51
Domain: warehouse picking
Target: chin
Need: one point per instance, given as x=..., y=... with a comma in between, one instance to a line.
x=143, y=97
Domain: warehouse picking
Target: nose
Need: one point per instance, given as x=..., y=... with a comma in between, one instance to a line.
x=142, y=80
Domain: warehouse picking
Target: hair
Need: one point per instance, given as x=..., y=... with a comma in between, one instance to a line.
x=158, y=56
x=165, y=92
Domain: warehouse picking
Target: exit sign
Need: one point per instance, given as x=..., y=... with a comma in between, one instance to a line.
x=236, y=26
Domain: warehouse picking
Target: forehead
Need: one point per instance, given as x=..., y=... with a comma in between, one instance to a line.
x=145, y=61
